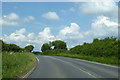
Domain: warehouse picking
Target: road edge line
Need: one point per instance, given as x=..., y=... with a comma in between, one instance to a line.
x=98, y=63
x=92, y=62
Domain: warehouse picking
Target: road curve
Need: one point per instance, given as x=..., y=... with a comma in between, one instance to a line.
x=62, y=67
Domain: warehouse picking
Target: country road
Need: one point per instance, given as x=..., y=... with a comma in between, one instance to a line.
x=62, y=67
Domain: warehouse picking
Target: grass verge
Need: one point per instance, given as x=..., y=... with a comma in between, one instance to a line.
x=16, y=64
x=105, y=60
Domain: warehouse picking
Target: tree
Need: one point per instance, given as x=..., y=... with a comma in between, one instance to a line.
x=10, y=47
x=13, y=47
x=21, y=50
x=4, y=46
x=45, y=47
x=95, y=40
x=98, y=48
x=1, y=45
x=29, y=48
x=59, y=44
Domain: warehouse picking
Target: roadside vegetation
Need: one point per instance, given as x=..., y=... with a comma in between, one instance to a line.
x=100, y=50
x=16, y=61
x=15, y=64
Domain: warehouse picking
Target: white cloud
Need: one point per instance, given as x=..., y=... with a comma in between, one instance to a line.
x=8, y=23
x=18, y=36
x=104, y=26
x=71, y=34
x=13, y=19
x=51, y=16
x=46, y=35
x=29, y=18
x=22, y=38
x=30, y=35
x=11, y=16
x=101, y=27
x=10, y=20
x=72, y=29
x=102, y=7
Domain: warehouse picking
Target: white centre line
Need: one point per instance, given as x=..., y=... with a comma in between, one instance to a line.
x=74, y=66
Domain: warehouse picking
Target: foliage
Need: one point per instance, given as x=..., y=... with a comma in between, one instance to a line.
x=45, y=47
x=15, y=63
x=1, y=45
x=29, y=48
x=58, y=47
x=36, y=52
x=98, y=48
x=16, y=60
x=59, y=44
x=15, y=48
x=10, y=47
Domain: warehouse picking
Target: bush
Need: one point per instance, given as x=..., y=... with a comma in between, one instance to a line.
x=99, y=48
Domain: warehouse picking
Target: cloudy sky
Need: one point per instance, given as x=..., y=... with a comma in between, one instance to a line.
x=36, y=23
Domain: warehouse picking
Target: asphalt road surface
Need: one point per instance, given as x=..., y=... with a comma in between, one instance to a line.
x=62, y=67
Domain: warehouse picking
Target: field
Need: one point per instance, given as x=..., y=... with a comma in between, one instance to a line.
x=14, y=64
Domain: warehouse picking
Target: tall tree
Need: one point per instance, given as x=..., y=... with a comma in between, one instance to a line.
x=45, y=47
x=1, y=45
x=13, y=47
x=58, y=44
x=29, y=48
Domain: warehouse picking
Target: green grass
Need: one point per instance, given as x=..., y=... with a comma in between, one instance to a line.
x=15, y=64
x=105, y=60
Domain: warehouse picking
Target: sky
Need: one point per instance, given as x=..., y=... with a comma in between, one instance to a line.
x=36, y=23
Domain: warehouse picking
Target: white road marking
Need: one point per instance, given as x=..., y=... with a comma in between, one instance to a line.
x=74, y=67
x=30, y=70
x=96, y=63
x=37, y=59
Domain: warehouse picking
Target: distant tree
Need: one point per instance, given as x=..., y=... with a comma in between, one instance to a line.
x=58, y=44
x=4, y=46
x=95, y=40
x=10, y=47
x=36, y=52
x=118, y=50
x=21, y=50
x=13, y=47
x=29, y=48
x=45, y=47
x=1, y=45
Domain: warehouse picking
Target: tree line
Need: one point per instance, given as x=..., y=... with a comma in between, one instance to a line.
x=99, y=48
x=14, y=47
